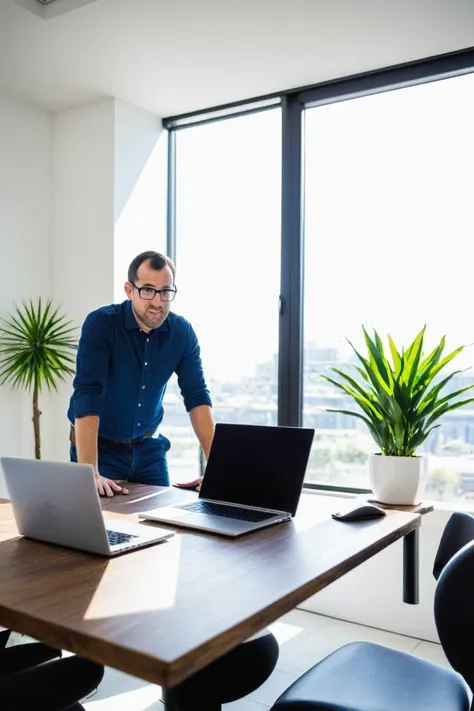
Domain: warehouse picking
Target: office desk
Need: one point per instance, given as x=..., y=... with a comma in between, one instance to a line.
x=164, y=612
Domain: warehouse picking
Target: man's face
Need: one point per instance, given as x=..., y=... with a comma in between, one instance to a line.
x=150, y=313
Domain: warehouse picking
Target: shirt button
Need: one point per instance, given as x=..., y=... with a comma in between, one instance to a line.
x=143, y=387
x=139, y=424
x=147, y=340
x=146, y=363
x=139, y=404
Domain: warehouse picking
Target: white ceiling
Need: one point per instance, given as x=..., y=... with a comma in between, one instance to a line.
x=174, y=56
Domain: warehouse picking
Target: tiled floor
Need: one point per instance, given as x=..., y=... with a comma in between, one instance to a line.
x=304, y=639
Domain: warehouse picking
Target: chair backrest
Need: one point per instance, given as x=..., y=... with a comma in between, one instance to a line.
x=454, y=612
x=458, y=531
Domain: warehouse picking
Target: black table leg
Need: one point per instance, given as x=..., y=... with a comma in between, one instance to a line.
x=411, y=567
x=169, y=698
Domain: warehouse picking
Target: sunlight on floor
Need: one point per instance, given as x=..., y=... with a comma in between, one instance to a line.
x=144, y=699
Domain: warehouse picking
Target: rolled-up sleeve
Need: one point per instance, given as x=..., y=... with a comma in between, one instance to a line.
x=191, y=375
x=92, y=366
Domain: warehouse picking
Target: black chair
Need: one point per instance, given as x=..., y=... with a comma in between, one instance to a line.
x=4, y=637
x=21, y=657
x=368, y=677
x=236, y=674
x=233, y=676
x=458, y=531
x=34, y=676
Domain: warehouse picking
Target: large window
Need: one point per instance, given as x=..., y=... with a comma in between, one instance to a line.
x=373, y=222
x=389, y=244
x=228, y=197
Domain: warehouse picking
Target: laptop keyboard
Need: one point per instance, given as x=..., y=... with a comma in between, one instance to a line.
x=206, y=507
x=115, y=538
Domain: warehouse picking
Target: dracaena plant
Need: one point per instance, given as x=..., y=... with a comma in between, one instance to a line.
x=402, y=398
x=36, y=349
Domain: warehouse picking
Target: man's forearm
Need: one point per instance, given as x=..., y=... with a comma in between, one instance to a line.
x=203, y=425
x=86, y=430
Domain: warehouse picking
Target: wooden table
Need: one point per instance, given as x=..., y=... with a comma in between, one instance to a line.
x=164, y=612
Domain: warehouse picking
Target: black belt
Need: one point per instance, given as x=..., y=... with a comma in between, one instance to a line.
x=112, y=444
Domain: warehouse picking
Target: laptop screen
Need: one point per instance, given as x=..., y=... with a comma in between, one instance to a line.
x=256, y=465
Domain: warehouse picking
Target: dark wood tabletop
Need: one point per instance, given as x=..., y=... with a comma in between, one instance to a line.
x=164, y=612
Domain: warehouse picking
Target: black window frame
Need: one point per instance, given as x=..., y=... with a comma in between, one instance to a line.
x=293, y=105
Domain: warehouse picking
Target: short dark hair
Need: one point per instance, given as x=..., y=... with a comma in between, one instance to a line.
x=157, y=261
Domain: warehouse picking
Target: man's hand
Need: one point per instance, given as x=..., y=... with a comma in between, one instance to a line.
x=196, y=484
x=108, y=487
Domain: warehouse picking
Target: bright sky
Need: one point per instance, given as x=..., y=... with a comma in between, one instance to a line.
x=389, y=228
x=228, y=239
x=390, y=235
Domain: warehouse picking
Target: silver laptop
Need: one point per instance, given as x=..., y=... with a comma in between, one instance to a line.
x=58, y=503
x=253, y=479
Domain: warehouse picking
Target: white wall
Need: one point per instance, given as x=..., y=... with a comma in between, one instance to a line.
x=140, y=187
x=106, y=209
x=82, y=242
x=83, y=198
x=26, y=139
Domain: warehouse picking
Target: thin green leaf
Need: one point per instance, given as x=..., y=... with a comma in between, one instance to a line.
x=379, y=364
x=415, y=442
x=396, y=357
x=445, y=361
x=357, y=386
x=447, y=408
x=376, y=380
x=424, y=399
x=362, y=401
x=351, y=414
x=362, y=372
x=433, y=358
x=413, y=358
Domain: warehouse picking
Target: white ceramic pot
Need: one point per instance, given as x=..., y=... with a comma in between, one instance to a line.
x=398, y=480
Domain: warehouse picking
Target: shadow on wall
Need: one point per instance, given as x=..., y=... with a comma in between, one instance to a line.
x=140, y=188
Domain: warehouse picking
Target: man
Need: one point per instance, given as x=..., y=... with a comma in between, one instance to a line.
x=127, y=353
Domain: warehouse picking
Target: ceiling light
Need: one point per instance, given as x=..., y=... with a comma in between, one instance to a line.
x=48, y=9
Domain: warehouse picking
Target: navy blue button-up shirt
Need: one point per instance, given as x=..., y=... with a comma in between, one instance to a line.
x=122, y=372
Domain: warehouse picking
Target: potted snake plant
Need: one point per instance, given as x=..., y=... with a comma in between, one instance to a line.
x=401, y=400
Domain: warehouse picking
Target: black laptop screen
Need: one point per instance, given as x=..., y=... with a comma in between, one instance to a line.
x=257, y=465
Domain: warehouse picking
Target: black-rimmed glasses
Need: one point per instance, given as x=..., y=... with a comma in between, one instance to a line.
x=148, y=292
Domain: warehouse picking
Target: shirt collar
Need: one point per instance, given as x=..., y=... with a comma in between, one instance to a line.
x=131, y=321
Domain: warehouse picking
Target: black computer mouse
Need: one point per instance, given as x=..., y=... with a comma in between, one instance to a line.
x=359, y=512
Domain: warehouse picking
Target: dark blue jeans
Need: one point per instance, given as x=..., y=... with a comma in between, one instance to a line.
x=142, y=463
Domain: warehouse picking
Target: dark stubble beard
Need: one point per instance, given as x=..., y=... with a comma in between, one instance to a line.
x=150, y=323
